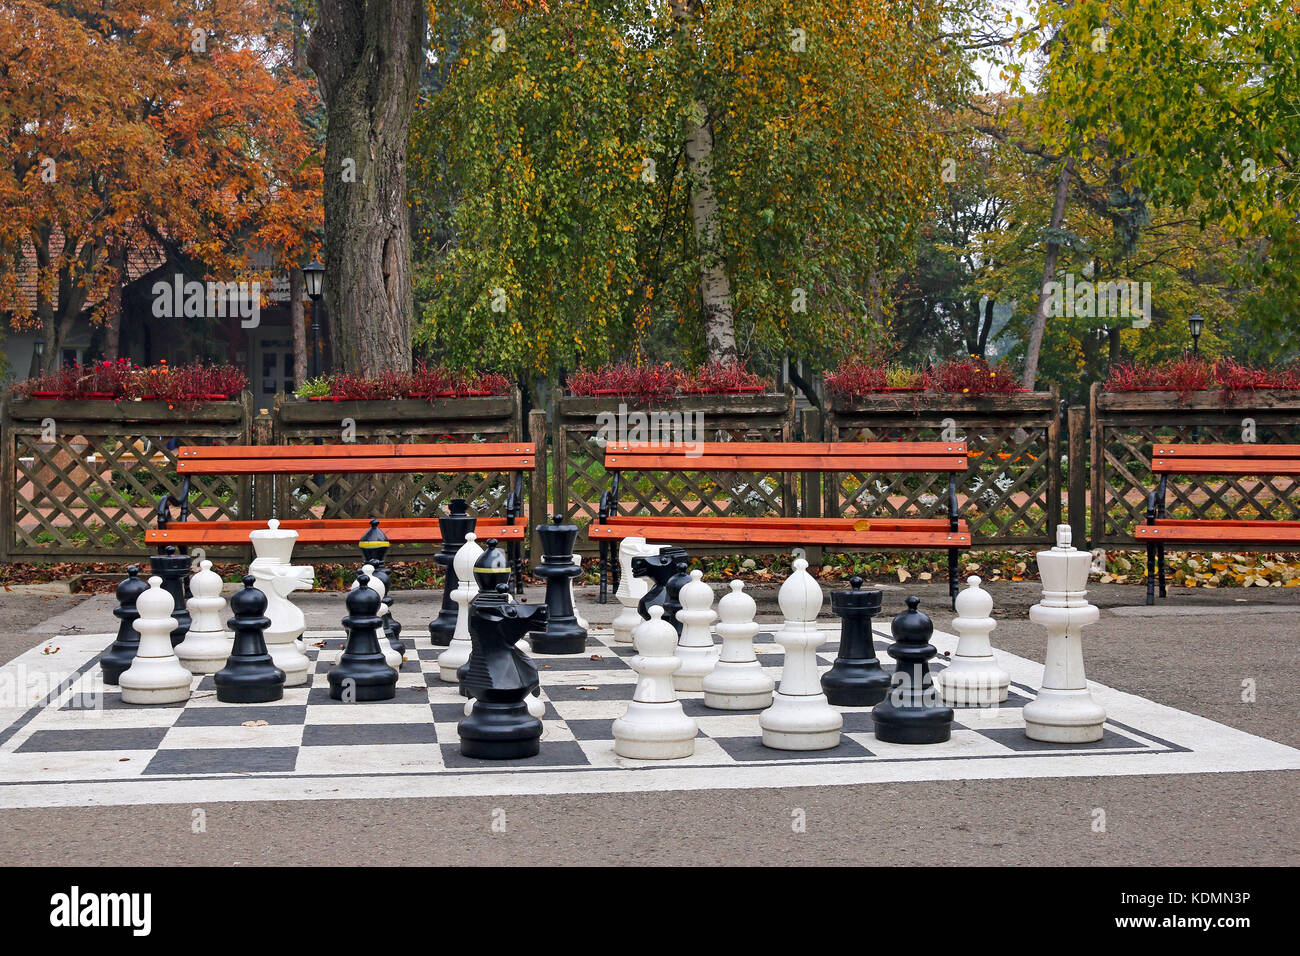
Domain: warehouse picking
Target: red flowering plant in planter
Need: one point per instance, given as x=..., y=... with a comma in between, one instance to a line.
x=1194, y=374
x=723, y=378
x=423, y=382
x=115, y=381
x=649, y=383
x=972, y=376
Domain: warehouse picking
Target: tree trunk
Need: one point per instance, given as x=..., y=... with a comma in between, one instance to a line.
x=296, y=320
x=1049, y=270
x=113, y=311
x=367, y=58
x=715, y=286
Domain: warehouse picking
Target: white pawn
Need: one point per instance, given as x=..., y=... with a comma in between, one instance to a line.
x=737, y=681
x=800, y=718
x=1064, y=711
x=631, y=589
x=973, y=678
x=695, y=647
x=208, y=644
x=457, y=652
x=156, y=676
x=655, y=727
x=391, y=657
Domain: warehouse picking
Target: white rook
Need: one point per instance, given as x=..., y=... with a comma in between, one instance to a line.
x=1064, y=711
x=800, y=717
x=631, y=589
x=156, y=676
x=973, y=678
x=655, y=727
x=737, y=681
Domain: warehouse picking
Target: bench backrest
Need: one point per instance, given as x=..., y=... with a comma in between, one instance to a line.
x=354, y=459
x=1226, y=459
x=887, y=456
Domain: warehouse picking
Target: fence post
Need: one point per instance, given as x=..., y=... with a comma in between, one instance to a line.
x=263, y=433
x=537, y=509
x=1097, y=454
x=1078, y=473
x=810, y=488
x=8, y=482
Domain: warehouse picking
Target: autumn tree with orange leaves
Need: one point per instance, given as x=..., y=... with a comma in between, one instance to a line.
x=152, y=121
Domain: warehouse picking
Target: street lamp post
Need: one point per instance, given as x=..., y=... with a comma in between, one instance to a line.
x=38, y=350
x=1196, y=324
x=314, y=279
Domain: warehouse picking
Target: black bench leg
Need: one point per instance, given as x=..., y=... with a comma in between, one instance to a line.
x=1151, y=574
x=517, y=564
x=952, y=577
x=1160, y=562
x=604, y=572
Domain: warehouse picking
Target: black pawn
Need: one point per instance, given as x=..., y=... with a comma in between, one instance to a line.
x=361, y=673
x=856, y=679
x=909, y=713
x=563, y=633
x=660, y=568
x=249, y=676
x=374, y=545
x=499, y=726
x=174, y=569
x=121, y=652
x=455, y=525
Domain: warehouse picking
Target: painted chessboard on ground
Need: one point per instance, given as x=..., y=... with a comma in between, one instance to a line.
x=69, y=740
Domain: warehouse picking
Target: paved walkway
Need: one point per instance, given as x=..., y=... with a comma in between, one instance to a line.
x=1192, y=652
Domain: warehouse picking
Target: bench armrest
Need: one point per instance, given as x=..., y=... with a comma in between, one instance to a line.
x=181, y=501
x=515, y=499
x=953, y=515
x=609, y=500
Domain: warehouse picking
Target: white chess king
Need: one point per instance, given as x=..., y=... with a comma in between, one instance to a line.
x=1064, y=711
x=973, y=678
x=156, y=676
x=800, y=717
x=208, y=643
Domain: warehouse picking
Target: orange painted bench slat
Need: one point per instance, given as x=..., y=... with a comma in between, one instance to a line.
x=223, y=532
x=1227, y=466
x=810, y=524
x=353, y=465
x=426, y=449
x=1262, y=533
x=1225, y=451
x=793, y=449
x=758, y=462
x=939, y=537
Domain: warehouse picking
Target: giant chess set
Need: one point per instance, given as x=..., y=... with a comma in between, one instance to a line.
x=189, y=702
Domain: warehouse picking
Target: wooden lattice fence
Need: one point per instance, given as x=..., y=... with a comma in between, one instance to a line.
x=1125, y=425
x=1011, y=494
x=579, y=474
x=484, y=419
x=82, y=479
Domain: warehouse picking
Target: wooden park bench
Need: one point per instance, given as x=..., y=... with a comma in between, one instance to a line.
x=949, y=533
x=513, y=457
x=1256, y=534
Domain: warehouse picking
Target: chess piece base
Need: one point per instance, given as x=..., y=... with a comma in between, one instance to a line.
x=560, y=637
x=738, y=685
x=370, y=681
x=697, y=664
x=974, y=684
x=654, y=731
x=294, y=664
x=855, y=683
x=203, y=653
x=500, y=731
x=452, y=659
x=254, y=688
x=155, y=681
x=912, y=725
x=1064, y=717
x=803, y=722
x=441, y=630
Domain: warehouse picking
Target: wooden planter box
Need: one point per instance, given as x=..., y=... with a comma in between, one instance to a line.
x=1012, y=492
